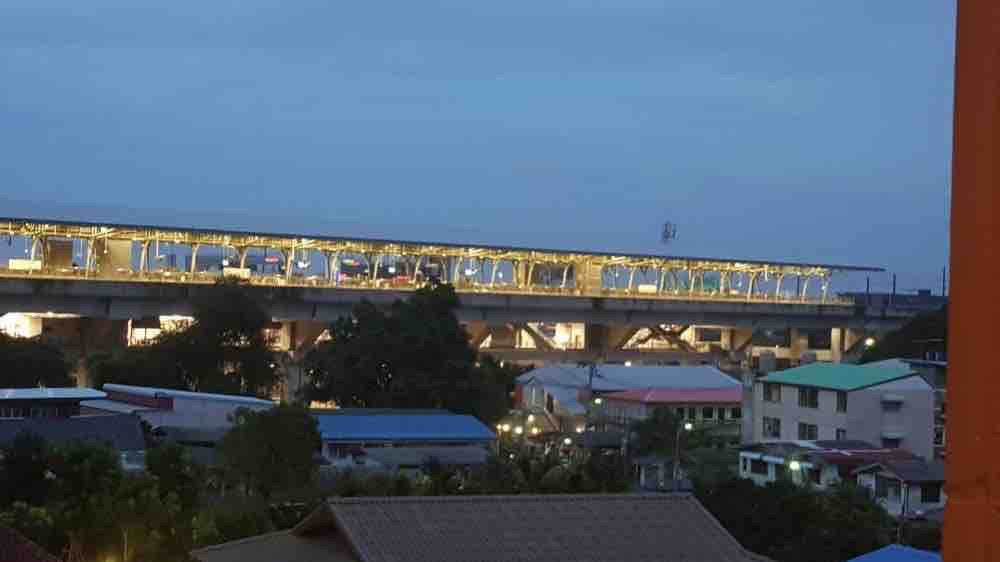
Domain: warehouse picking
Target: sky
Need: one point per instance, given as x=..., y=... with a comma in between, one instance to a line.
x=789, y=129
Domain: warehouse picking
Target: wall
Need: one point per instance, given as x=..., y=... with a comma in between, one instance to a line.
x=868, y=417
x=825, y=416
x=197, y=413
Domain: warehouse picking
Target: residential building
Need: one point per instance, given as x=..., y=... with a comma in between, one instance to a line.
x=399, y=439
x=906, y=488
x=562, y=395
x=826, y=401
x=671, y=526
x=719, y=410
x=820, y=463
x=123, y=433
x=44, y=402
x=164, y=407
x=898, y=553
x=934, y=370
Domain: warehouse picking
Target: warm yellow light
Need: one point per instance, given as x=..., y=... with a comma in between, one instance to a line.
x=869, y=341
x=579, y=429
x=505, y=427
x=534, y=431
x=598, y=401
x=531, y=418
x=519, y=430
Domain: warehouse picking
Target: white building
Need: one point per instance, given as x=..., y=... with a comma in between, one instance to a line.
x=163, y=407
x=824, y=401
x=909, y=488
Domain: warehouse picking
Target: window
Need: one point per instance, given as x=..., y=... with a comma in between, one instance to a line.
x=808, y=432
x=708, y=413
x=736, y=413
x=814, y=475
x=758, y=467
x=841, y=434
x=772, y=428
x=888, y=443
x=720, y=414
x=710, y=335
x=772, y=392
x=939, y=436
x=780, y=472
x=881, y=486
x=930, y=493
x=745, y=464
x=692, y=414
x=808, y=398
x=841, y=401
x=891, y=406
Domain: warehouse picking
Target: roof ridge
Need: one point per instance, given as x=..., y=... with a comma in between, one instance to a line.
x=489, y=498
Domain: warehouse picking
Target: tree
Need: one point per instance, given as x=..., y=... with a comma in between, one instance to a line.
x=143, y=514
x=270, y=450
x=223, y=350
x=413, y=355
x=23, y=470
x=86, y=479
x=32, y=362
x=926, y=332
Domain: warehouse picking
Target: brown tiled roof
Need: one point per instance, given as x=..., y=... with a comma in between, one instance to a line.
x=14, y=547
x=566, y=528
x=279, y=547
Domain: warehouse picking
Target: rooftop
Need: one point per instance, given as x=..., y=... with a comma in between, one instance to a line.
x=61, y=393
x=443, y=427
x=121, y=432
x=898, y=553
x=610, y=378
x=909, y=470
x=154, y=392
x=680, y=395
x=836, y=376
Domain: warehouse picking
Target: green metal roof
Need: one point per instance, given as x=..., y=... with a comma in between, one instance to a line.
x=836, y=376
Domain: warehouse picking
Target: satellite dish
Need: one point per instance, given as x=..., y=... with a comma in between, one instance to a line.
x=669, y=232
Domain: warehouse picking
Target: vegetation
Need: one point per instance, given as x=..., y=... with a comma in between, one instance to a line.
x=223, y=350
x=413, y=355
x=926, y=332
x=32, y=362
x=270, y=450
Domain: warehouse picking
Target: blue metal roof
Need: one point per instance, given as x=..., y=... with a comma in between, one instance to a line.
x=376, y=427
x=897, y=553
x=55, y=393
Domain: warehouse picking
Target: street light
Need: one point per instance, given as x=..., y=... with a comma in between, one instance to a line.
x=567, y=441
x=531, y=418
x=869, y=341
x=795, y=466
x=579, y=429
x=505, y=427
x=688, y=426
x=519, y=430
x=534, y=431
x=598, y=400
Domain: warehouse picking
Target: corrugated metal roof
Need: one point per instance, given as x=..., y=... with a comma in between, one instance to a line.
x=898, y=553
x=115, y=406
x=416, y=456
x=61, y=393
x=836, y=376
x=680, y=395
x=402, y=427
x=121, y=432
x=610, y=378
x=169, y=392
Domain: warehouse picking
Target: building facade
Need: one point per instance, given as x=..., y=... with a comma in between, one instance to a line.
x=838, y=401
x=164, y=407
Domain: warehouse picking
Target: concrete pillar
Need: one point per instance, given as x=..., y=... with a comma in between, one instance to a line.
x=797, y=344
x=836, y=345
x=972, y=516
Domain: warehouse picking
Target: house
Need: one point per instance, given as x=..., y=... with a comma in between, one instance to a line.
x=719, y=407
x=401, y=439
x=935, y=371
x=164, y=407
x=898, y=553
x=561, y=395
x=496, y=528
x=123, y=433
x=15, y=547
x=44, y=402
x=827, y=401
x=906, y=488
x=820, y=463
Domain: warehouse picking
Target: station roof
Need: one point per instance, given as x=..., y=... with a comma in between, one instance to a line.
x=836, y=376
x=326, y=238
x=61, y=393
x=399, y=427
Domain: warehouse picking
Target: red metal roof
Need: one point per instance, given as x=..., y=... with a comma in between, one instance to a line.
x=861, y=457
x=680, y=395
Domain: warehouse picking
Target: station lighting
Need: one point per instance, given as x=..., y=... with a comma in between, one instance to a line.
x=579, y=429
x=505, y=427
x=531, y=418
x=519, y=430
x=567, y=441
x=534, y=431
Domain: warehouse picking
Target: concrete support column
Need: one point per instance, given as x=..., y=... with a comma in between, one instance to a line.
x=797, y=344
x=836, y=345
x=972, y=516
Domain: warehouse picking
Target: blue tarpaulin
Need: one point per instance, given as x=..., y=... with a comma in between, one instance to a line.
x=383, y=427
x=897, y=553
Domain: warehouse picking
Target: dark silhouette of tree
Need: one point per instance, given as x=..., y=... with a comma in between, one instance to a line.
x=414, y=354
x=23, y=470
x=31, y=362
x=923, y=333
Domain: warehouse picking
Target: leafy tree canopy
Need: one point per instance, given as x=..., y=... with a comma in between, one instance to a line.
x=926, y=332
x=32, y=362
x=413, y=355
x=23, y=470
x=272, y=449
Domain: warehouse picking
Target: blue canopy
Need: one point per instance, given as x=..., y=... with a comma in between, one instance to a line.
x=393, y=427
x=897, y=553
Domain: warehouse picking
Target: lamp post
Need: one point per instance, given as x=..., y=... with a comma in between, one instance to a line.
x=677, y=450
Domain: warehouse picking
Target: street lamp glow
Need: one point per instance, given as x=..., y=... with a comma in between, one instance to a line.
x=598, y=400
x=505, y=427
x=688, y=426
x=795, y=465
x=869, y=342
x=628, y=363
x=567, y=441
x=519, y=430
x=531, y=418
x=534, y=431
x=579, y=429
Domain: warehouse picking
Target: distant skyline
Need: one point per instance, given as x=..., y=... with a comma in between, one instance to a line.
x=788, y=130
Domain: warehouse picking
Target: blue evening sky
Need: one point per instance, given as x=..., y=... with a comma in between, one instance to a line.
x=788, y=129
